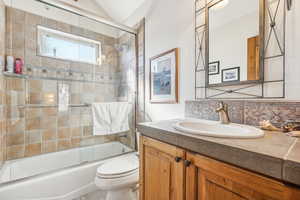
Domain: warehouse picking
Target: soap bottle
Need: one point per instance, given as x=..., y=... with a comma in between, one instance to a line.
x=18, y=66
x=10, y=62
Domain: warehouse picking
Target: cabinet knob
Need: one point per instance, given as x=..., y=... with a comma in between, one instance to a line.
x=177, y=159
x=187, y=163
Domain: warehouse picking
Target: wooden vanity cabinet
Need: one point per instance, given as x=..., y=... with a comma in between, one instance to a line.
x=208, y=179
x=170, y=173
x=162, y=171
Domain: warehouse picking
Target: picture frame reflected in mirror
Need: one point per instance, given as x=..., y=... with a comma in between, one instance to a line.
x=214, y=68
x=231, y=74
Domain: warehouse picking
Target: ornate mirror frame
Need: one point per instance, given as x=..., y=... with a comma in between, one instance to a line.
x=271, y=12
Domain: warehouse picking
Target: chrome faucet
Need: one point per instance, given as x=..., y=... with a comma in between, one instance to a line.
x=223, y=113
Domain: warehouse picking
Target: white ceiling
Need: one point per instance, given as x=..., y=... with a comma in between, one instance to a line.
x=89, y=5
x=119, y=10
x=234, y=10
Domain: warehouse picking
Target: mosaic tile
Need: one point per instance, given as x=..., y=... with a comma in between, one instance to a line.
x=246, y=112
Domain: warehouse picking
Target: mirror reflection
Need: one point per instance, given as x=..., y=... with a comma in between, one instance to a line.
x=234, y=42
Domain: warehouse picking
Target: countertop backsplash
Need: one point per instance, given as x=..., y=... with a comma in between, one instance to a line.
x=249, y=112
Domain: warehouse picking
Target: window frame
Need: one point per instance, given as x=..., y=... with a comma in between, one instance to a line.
x=41, y=31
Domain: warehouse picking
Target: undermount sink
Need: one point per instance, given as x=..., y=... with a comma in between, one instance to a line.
x=216, y=129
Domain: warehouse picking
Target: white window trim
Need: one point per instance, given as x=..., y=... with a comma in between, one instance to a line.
x=67, y=36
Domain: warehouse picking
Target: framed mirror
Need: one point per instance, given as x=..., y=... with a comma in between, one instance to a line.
x=235, y=38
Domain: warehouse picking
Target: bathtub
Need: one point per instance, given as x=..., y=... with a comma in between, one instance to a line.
x=64, y=175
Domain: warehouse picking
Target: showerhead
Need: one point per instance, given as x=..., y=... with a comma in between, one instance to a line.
x=121, y=47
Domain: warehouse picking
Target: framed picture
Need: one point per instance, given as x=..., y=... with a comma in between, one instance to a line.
x=214, y=68
x=231, y=74
x=164, y=77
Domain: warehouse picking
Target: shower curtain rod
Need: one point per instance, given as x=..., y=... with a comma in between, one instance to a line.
x=85, y=13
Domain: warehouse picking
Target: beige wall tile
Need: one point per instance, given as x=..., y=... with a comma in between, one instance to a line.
x=74, y=120
x=64, y=133
x=33, y=124
x=15, y=126
x=32, y=113
x=15, y=152
x=14, y=139
x=35, y=98
x=49, y=112
x=49, y=98
x=75, y=98
x=49, y=62
x=50, y=86
x=87, y=131
x=33, y=149
x=49, y=147
x=32, y=20
x=49, y=122
x=33, y=137
x=63, y=27
x=35, y=85
x=15, y=97
x=14, y=112
x=76, y=132
x=64, y=144
x=49, y=134
x=46, y=130
x=63, y=120
x=75, y=142
x=17, y=16
x=15, y=84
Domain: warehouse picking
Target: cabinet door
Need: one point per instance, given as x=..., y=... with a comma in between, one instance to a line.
x=214, y=180
x=162, y=173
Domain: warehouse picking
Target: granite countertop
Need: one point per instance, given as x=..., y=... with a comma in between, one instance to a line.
x=275, y=155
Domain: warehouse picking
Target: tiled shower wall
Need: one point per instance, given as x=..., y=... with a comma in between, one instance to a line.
x=32, y=131
x=141, y=115
x=2, y=53
x=249, y=112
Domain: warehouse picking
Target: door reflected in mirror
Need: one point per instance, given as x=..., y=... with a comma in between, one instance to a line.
x=234, y=42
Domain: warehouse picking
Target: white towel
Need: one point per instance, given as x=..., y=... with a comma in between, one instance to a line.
x=110, y=118
x=101, y=119
x=119, y=117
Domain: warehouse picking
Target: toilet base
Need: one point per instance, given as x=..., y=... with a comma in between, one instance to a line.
x=121, y=194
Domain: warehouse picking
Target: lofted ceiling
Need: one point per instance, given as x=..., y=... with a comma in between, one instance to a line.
x=89, y=5
x=119, y=10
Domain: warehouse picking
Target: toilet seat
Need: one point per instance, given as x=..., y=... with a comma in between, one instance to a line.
x=119, y=168
x=118, y=177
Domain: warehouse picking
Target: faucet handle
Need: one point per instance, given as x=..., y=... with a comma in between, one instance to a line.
x=225, y=107
x=222, y=106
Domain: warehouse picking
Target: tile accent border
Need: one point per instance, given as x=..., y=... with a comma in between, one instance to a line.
x=249, y=112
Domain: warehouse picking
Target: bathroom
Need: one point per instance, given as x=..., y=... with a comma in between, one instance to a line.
x=149, y=100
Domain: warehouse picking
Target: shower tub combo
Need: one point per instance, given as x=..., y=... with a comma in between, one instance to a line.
x=64, y=175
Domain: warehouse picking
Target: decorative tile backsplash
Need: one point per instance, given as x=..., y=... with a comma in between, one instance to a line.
x=246, y=112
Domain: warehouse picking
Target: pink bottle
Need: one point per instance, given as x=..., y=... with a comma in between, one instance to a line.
x=18, y=66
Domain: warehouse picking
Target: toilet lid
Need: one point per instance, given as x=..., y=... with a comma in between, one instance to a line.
x=119, y=166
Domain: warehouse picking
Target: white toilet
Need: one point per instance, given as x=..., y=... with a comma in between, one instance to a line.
x=119, y=177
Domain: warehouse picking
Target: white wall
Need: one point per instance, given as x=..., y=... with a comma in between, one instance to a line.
x=228, y=43
x=293, y=52
x=170, y=23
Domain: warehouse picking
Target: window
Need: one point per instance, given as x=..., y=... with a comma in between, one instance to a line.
x=57, y=44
